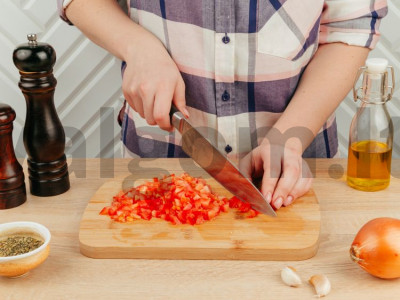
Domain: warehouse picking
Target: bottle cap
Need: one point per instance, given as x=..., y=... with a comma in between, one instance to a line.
x=34, y=56
x=376, y=65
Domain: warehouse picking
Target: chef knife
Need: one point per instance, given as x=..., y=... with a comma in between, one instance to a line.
x=217, y=165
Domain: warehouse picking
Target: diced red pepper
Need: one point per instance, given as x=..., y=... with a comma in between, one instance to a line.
x=177, y=199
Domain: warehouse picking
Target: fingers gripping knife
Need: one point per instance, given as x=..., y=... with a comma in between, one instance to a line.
x=221, y=169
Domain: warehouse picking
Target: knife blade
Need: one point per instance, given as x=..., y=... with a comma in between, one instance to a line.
x=218, y=165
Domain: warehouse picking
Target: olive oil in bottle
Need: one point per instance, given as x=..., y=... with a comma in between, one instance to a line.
x=369, y=165
x=371, y=130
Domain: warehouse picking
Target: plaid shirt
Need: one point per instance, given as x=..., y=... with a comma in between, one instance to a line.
x=241, y=62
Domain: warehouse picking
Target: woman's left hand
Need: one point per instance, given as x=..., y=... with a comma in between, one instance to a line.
x=285, y=174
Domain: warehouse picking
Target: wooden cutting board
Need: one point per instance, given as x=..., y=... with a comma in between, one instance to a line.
x=293, y=235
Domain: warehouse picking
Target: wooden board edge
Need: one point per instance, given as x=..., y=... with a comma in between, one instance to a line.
x=200, y=254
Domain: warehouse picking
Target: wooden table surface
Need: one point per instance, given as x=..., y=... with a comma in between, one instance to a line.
x=67, y=274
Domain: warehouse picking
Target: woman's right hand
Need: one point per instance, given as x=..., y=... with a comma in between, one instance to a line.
x=152, y=81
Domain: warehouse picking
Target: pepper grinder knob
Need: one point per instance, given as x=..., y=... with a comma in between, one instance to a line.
x=44, y=136
x=32, y=39
x=12, y=184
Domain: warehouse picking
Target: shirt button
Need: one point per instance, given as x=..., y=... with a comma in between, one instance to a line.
x=226, y=96
x=226, y=39
x=228, y=149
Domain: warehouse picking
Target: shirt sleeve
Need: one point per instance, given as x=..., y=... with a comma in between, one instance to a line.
x=353, y=22
x=63, y=4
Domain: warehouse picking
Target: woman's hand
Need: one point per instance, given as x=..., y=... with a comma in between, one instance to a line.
x=152, y=81
x=285, y=174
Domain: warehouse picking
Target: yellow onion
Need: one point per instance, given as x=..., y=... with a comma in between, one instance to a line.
x=376, y=248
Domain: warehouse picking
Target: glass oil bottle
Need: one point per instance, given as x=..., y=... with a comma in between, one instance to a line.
x=371, y=130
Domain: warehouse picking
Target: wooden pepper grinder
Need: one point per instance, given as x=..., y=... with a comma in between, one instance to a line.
x=44, y=136
x=12, y=184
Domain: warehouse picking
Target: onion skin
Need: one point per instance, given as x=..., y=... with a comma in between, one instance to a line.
x=376, y=248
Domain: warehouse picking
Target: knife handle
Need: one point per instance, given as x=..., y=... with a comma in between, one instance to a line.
x=176, y=116
x=173, y=110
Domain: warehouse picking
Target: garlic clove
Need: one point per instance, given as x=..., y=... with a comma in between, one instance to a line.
x=321, y=284
x=290, y=277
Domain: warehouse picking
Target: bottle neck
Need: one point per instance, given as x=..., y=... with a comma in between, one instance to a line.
x=375, y=88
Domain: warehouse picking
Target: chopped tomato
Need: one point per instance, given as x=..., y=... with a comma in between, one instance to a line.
x=177, y=199
x=252, y=213
x=243, y=207
x=105, y=210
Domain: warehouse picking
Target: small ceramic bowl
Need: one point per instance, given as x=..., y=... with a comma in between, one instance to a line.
x=18, y=265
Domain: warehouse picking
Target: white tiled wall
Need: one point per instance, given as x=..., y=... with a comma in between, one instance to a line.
x=89, y=78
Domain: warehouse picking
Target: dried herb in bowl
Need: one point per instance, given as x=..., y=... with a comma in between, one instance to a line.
x=16, y=245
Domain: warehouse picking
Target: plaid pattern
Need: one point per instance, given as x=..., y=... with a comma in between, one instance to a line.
x=241, y=62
